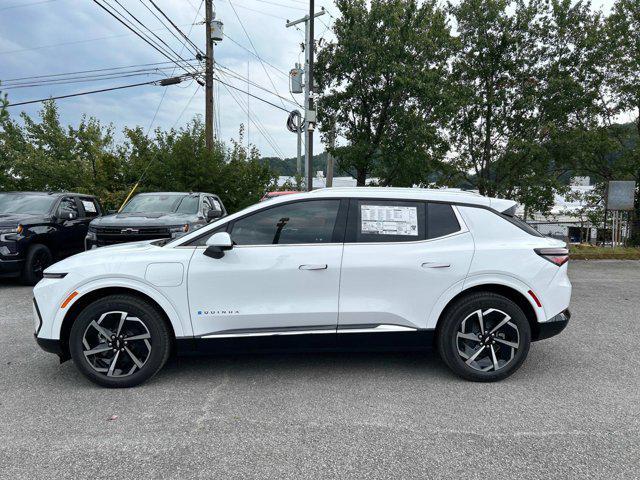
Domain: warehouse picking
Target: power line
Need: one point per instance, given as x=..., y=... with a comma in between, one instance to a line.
x=252, y=95
x=152, y=33
x=165, y=90
x=254, y=48
x=85, y=79
x=176, y=27
x=259, y=127
x=87, y=71
x=84, y=93
x=168, y=29
x=74, y=42
x=26, y=4
x=139, y=34
x=186, y=106
x=252, y=53
x=252, y=83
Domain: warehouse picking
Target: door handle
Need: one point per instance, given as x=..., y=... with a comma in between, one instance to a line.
x=435, y=265
x=317, y=266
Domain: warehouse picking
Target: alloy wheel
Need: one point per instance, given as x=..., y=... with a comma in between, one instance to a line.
x=487, y=340
x=116, y=344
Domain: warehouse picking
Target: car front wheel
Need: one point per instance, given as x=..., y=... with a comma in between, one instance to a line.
x=484, y=337
x=119, y=341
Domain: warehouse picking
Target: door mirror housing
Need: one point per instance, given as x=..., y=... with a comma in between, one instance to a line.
x=217, y=244
x=213, y=214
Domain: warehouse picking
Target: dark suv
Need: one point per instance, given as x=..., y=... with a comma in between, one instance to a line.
x=38, y=228
x=155, y=215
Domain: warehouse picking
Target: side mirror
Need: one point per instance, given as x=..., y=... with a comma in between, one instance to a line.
x=217, y=244
x=213, y=214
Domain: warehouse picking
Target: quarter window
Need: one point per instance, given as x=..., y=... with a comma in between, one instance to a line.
x=293, y=223
x=441, y=220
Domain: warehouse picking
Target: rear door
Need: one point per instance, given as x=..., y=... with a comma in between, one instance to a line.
x=399, y=258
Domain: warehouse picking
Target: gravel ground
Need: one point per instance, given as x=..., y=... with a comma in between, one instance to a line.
x=572, y=410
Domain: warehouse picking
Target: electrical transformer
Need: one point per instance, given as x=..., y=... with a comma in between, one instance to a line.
x=296, y=74
x=217, y=30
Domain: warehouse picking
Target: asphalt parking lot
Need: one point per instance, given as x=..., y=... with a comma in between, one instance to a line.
x=572, y=411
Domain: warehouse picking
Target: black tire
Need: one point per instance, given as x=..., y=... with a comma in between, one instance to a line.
x=452, y=348
x=38, y=258
x=141, y=317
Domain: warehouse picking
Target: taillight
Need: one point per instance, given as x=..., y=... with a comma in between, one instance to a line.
x=557, y=256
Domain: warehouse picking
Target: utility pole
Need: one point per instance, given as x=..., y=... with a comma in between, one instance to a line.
x=310, y=113
x=332, y=144
x=208, y=117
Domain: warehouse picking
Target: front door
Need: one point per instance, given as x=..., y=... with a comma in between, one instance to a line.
x=281, y=278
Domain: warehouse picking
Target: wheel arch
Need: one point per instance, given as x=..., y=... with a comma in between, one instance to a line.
x=85, y=300
x=509, y=292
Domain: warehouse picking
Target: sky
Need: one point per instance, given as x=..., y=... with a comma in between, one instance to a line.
x=43, y=37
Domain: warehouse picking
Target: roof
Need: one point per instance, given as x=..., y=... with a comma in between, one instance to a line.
x=171, y=193
x=433, y=194
x=53, y=194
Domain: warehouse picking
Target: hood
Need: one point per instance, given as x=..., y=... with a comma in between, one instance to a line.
x=143, y=219
x=99, y=255
x=13, y=219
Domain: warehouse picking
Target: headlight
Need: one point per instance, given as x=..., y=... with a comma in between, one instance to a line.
x=91, y=235
x=17, y=229
x=92, y=229
x=54, y=275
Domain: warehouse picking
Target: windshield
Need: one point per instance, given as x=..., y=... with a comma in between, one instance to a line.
x=162, y=204
x=25, y=203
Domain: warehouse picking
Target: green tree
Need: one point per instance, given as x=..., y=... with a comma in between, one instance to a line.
x=384, y=84
x=527, y=80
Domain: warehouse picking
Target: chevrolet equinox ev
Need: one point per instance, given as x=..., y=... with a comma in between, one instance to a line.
x=332, y=269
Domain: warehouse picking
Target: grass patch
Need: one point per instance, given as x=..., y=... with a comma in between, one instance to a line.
x=589, y=252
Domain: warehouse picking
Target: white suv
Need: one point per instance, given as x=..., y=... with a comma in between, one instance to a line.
x=364, y=268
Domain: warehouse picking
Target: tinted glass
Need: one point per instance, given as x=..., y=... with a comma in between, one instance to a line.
x=160, y=204
x=25, y=203
x=90, y=207
x=301, y=222
x=441, y=220
x=188, y=205
x=386, y=221
x=67, y=206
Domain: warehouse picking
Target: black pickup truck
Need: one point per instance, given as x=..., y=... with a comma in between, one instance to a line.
x=38, y=228
x=155, y=215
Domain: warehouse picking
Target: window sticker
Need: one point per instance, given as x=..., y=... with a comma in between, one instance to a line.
x=216, y=204
x=389, y=220
x=89, y=207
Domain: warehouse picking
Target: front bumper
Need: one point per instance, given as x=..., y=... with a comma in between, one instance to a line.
x=553, y=326
x=11, y=268
x=49, y=345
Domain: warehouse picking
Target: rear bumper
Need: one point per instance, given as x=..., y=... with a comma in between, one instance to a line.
x=553, y=326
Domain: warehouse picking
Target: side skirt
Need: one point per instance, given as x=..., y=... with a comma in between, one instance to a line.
x=334, y=342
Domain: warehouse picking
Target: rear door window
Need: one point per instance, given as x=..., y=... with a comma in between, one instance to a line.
x=89, y=207
x=386, y=221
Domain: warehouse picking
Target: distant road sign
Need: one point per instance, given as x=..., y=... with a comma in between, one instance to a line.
x=621, y=195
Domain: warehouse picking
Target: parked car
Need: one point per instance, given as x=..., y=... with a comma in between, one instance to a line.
x=37, y=228
x=356, y=268
x=156, y=215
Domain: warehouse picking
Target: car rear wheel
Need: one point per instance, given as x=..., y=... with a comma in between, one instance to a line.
x=484, y=337
x=38, y=259
x=119, y=341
